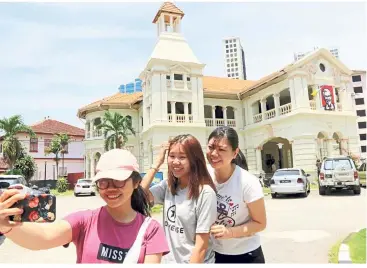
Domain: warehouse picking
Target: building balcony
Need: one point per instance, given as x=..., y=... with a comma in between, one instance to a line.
x=284, y=109
x=218, y=122
x=94, y=134
x=180, y=118
x=97, y=133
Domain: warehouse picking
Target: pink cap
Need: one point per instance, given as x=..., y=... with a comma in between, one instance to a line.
x=116, y=164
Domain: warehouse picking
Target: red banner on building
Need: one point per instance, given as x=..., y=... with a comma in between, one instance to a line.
x=327, y=97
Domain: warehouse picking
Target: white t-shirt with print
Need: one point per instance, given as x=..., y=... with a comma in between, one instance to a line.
x=183, y=218
x=232, y=210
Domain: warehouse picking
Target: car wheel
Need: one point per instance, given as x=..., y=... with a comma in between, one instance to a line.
x=357, y=190
x=305, y=194
x=93, y=194
x=322, y=190
x=274, y=195
x=75, y=194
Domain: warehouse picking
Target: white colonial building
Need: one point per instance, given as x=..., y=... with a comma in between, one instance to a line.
x=300, y=113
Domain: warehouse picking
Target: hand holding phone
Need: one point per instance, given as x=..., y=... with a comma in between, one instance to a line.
x=7, y=199
x=36, y=208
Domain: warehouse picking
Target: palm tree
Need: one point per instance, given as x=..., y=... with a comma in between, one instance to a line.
x=64, y=141
x=55, y=148
x=116, y=129
x=12, y=147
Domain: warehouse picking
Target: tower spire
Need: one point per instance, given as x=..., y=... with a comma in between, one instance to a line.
x=168, y=18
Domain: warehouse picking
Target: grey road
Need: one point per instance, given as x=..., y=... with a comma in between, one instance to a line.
x=300, y=230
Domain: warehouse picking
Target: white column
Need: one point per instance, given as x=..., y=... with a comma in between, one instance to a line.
x=91, y=128
x=178, y=25
x=330, y=147
x=186, y=111
x=199, y=97
x=225, y=115
x=173, y=111
x=171, y=22
x=317, y=98
x=164, y=97
x=305, y=100
x=344, y=146
x=185, y=80
x=92, y=166
x=213, y=115
x=162, y=23
x=259, y=163
x=292, y=93
x=87, y=125
x=156, y=97
x=172, y=80
x=277, y=104
x=263, y=108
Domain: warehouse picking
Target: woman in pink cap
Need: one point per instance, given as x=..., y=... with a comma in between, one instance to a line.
x=120, y=232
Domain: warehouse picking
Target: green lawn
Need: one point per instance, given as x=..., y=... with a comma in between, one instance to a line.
x=56, y=193
x=266, y=191
x=334, y=253
x=357, y=246
x=314, y=186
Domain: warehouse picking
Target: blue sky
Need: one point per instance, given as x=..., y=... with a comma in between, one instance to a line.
x=58, y=57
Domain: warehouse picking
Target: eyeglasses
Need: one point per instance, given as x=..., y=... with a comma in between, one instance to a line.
x=103, y=184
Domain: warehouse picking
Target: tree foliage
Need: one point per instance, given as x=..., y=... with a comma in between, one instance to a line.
x=12, y=147
x=116, y=129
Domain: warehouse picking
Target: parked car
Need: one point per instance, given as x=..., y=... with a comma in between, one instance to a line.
x=362, y=175
x=338, y=173
x=290, y=181
x=13, y=182
x=17, y=182
x=84, y=186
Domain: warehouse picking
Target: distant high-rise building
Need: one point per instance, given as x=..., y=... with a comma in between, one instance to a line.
x=132, y=87
x=234, y=58
x=300, y=55
x=360, y=98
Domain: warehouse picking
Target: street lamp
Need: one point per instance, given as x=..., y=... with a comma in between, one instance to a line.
x=280, y=146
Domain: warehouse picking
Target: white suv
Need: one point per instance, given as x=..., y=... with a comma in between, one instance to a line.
x=338, y=173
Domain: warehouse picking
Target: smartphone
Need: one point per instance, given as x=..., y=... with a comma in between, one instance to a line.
x=36, y=208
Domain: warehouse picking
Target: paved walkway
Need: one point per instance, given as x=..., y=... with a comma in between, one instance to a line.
x=300, y=230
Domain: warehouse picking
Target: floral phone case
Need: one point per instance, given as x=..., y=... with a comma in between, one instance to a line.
x=36, y=208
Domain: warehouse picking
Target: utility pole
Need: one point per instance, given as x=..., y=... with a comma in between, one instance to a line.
x=45, y=175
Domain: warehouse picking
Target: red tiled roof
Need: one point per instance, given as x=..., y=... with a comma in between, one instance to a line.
x=170, y=8
x=53, y=127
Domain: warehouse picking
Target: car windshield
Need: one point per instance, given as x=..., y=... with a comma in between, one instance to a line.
x=286, y=172
x=84, y=181
x=338, y=164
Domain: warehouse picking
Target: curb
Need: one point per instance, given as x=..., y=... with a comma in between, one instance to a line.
x=343, y=256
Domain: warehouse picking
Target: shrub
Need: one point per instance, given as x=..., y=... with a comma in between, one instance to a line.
x=62, y=185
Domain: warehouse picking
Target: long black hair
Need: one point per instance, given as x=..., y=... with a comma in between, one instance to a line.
x=232, y=137
x=139, y=199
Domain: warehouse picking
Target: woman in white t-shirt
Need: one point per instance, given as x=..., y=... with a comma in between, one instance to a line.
x=240, y=201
